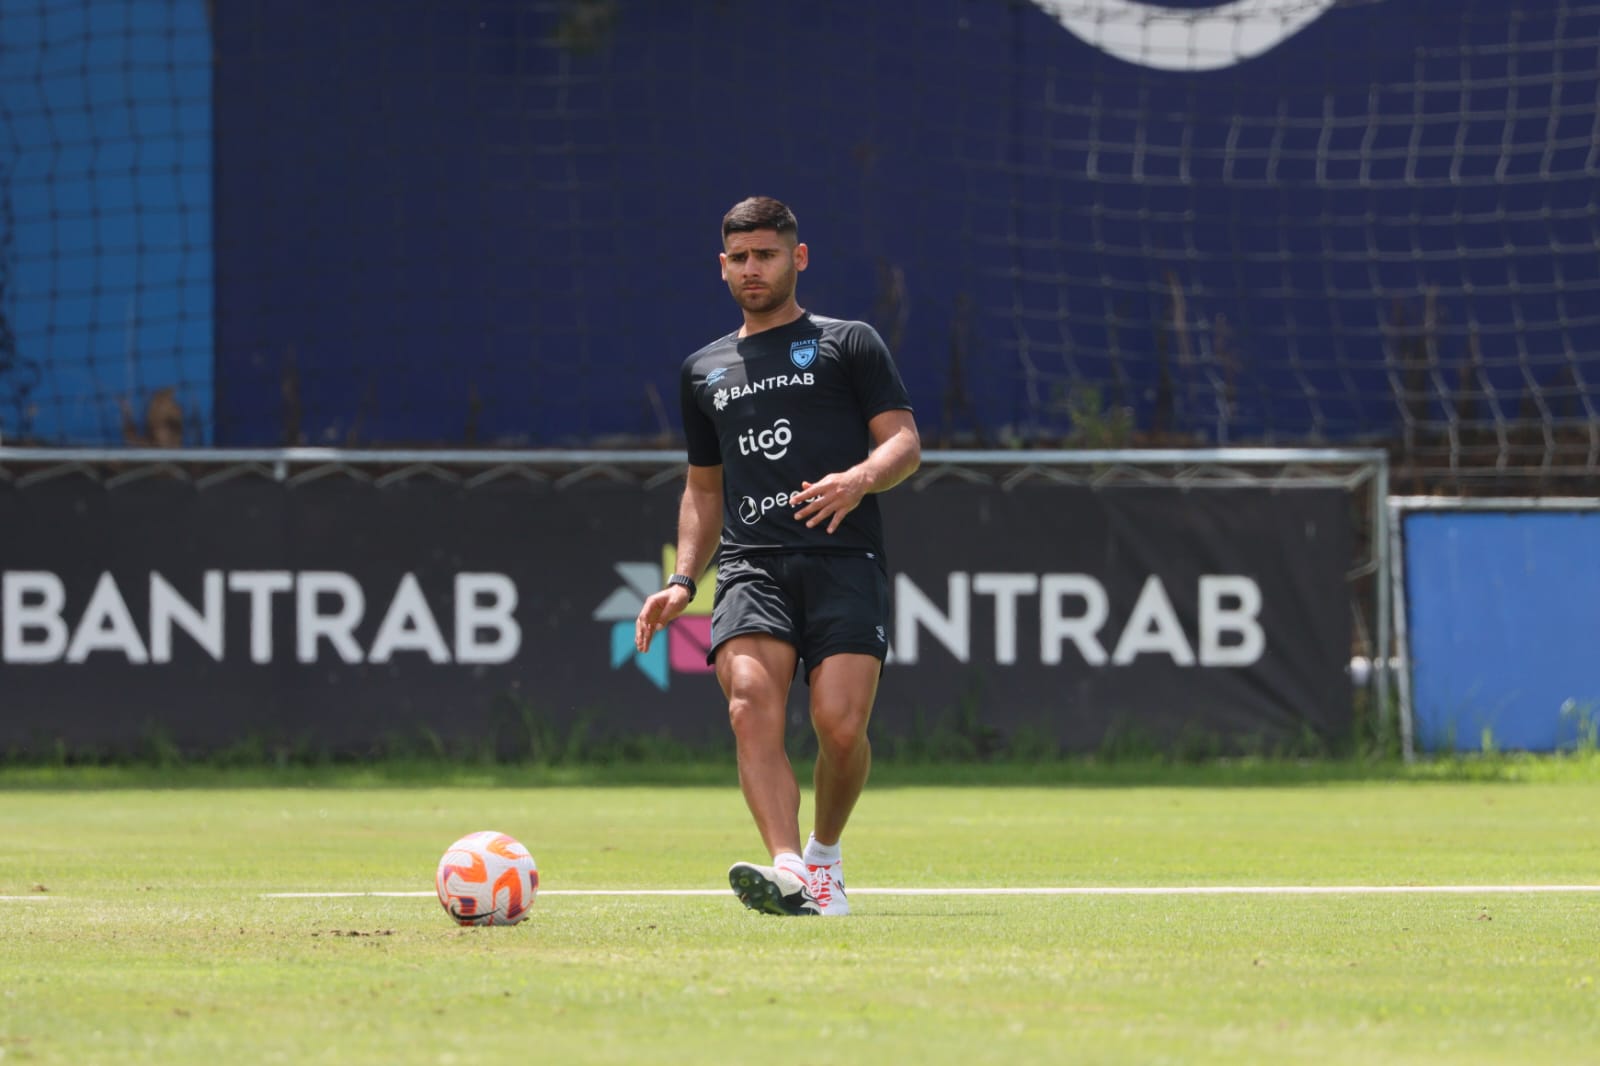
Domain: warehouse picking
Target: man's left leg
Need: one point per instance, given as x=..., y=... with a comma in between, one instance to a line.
x=843, y=687
x=842, y=690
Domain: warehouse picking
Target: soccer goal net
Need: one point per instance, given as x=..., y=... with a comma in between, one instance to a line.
x=1082, y=223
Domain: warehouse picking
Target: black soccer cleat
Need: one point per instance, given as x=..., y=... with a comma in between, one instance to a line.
x=771, y=889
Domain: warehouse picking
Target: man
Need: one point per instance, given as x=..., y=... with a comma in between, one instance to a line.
x=793, y=422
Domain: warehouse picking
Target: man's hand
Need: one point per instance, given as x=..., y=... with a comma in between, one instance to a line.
x=831, y=498
x=658, y=610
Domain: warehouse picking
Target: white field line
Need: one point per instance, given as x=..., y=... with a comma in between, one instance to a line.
x=1086, y=890
x=1074, y=890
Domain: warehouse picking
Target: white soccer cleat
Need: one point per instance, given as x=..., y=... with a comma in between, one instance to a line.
x=827, y=888
x=771, y=889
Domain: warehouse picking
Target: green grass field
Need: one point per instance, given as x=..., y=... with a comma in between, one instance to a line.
x=142, y=934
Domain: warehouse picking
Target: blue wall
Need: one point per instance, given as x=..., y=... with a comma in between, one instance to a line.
x=439, y=222
x=105, y=152
x=1503, y=612
x=497, y=222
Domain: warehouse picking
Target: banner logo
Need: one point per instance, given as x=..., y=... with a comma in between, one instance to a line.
x=325, y=607
x=679, y=649
x=1188, y=39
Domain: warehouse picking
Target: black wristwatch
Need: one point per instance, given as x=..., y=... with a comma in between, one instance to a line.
x=686, y=581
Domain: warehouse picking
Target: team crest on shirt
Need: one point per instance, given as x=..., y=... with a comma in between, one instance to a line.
x=803, y=353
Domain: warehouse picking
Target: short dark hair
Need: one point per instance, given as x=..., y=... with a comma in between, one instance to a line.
x=759, y=212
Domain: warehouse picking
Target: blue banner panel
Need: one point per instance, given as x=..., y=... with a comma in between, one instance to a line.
x=1504, y=615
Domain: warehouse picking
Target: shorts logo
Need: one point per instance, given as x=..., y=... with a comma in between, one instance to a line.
x=803, y=353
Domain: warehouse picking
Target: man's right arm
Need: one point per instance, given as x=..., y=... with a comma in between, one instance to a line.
x=699, y=520
x=699, y=529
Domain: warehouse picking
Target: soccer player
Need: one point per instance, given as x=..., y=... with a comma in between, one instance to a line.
x=794, y=421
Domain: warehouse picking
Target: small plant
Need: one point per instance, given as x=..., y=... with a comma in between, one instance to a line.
x=1586, y=722
x=1094, y=426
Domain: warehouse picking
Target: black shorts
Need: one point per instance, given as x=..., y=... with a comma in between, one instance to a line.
x=821, y=604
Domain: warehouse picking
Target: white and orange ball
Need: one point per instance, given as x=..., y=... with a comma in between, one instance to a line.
x=487, y=878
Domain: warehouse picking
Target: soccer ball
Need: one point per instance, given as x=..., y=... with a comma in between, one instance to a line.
x=487, y=878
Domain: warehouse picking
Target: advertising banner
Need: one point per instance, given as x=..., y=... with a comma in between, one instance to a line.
x=1146, y=612
x=344, y=615
x=1502, y=615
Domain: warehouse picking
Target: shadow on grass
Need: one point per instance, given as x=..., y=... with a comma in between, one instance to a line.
x=958, y=748
x=720, y=772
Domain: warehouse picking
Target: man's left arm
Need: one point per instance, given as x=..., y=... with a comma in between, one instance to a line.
x=895, y=456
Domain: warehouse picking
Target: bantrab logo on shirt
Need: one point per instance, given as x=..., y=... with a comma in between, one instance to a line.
x=803, y=353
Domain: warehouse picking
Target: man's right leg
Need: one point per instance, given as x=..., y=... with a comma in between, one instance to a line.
x=755, y=672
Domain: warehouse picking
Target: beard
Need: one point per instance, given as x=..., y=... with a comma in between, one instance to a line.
x=770, y=298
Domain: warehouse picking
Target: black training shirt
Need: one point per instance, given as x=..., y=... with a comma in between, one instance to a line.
x=787, y=405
